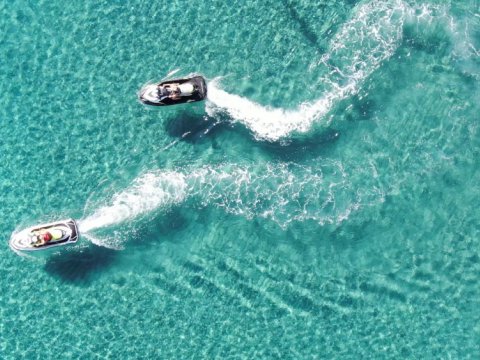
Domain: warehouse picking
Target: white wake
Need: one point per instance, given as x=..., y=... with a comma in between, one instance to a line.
x=282, y=193
x=371, y=36
x=147, y=193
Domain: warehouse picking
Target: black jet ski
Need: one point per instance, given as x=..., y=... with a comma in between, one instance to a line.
x=175, y=91
x=45, y=238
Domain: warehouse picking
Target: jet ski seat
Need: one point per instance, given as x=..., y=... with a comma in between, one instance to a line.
x=186, y=89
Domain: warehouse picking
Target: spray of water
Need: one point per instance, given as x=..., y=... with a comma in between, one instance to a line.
x=371, y=36
x=149, y=192
x=287, y=192
x=282, y=193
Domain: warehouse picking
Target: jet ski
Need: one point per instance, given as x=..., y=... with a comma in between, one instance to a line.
x=45, y=238
x=175, y=91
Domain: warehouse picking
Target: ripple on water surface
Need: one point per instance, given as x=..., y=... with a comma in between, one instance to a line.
x=322, y=203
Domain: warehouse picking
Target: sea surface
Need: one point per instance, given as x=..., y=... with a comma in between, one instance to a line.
x=321, y=204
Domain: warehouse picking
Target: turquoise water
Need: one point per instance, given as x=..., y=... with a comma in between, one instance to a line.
x=321, y=204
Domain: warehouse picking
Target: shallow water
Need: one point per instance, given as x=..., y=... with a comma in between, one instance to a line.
x=321, y=204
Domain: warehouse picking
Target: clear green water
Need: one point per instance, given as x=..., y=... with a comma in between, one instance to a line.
x=321, y=204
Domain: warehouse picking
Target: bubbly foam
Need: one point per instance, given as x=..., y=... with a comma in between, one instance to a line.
x=147, y=193
x=283, y=193
x=371, y=36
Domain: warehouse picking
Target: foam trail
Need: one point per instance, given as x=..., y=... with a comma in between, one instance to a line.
x=283, y=193
x=149, y=192
x=105, y=242
x=286, y=193
x=362, y=44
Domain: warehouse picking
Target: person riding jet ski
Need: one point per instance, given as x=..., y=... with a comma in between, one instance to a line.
x=38, y=239
x=45, y=236
x=173, y=92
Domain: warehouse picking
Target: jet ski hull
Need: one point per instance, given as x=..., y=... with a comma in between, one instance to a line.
x=25, y=242
x=160, y=95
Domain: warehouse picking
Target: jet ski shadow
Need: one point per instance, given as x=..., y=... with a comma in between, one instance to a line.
x=193, y=127
x=78, y=267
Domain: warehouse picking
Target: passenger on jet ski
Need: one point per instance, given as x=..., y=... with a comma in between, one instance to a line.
x=45, y=236
x=37, y=239
x=173, y=92
x=42, y=239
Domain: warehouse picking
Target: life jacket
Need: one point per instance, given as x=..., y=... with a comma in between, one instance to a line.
x=56, y=234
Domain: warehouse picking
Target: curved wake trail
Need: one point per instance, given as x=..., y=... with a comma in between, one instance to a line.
x=371, y=36
x=282, y=193
x=149, y=192
x=285, y=193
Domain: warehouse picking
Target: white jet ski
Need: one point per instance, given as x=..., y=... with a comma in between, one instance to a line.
x=175, y=91
x=45, y=238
